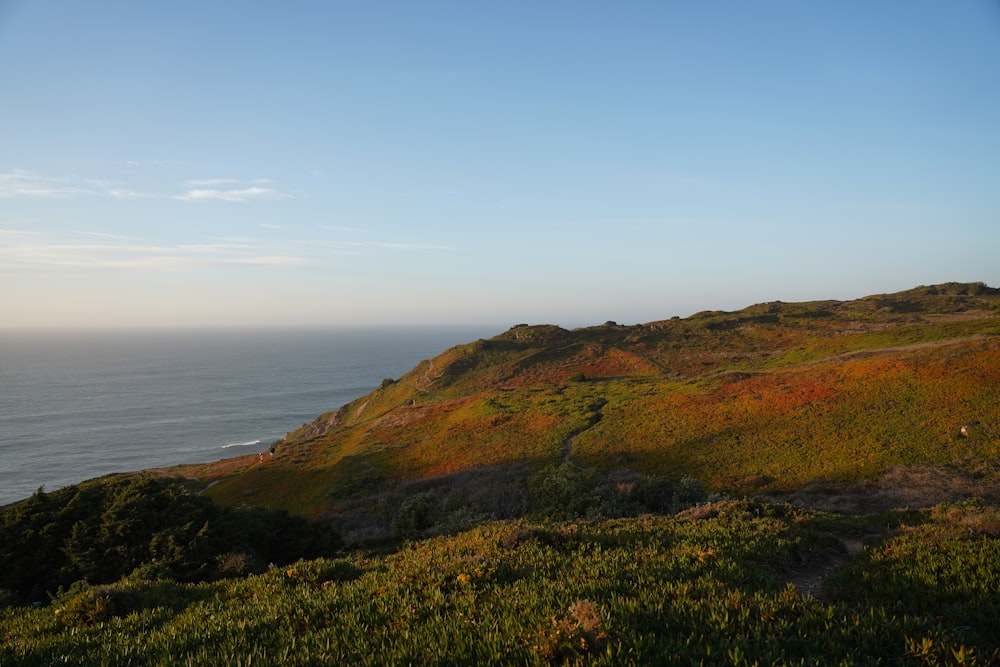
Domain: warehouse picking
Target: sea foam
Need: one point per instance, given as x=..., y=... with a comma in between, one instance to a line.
x=241, y=444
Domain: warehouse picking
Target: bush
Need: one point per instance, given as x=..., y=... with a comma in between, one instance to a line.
x=416, y=514
x=85, y=605
x=238, y=564
x=689, y=492
x=565, y=493
x=653, y=494
x=559, y=493
x=105, y=529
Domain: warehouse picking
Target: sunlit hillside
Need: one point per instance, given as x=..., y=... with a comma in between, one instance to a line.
x=809, y=483
x=881, y=396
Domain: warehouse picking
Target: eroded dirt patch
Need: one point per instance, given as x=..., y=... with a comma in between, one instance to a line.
x=913, y=487
x=808, y=581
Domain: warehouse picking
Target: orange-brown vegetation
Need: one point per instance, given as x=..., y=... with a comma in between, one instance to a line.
x=773, y=398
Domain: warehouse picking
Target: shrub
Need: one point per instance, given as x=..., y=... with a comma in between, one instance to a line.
x=559, y=493
x=416, y=514
x=237, y=564
x=85, y=605
x=105, y=529
x=653, y=493
x=689, y=492
x=572, y=636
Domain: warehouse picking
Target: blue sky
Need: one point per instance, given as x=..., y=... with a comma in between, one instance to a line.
x=328, y=163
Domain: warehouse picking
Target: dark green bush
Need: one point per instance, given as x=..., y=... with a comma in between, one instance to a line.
x=565, y=492
x=653, y=494
x=417, y=514
x=560, y=493
x=102, y=530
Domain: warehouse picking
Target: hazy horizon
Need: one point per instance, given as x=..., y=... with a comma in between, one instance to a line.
x=327, y=164
x=500, y=327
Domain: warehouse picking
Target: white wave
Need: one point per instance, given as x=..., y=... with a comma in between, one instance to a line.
x=241, y=444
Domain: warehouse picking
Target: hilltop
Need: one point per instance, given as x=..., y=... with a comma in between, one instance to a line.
x=880, y=401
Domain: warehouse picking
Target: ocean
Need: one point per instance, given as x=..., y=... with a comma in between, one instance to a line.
x=77, y=405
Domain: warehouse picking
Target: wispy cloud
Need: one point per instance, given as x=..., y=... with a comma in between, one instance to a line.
x=400, y=246
x=23, y=251
x=17, y=234
x=340, y=228
x=268, y=260
x=102, y=235
x=154, y=163
x=215, y=189
x=26, y=250
x=25, y=184
x=210, y=182
x=237, y=195
x=360, y=244
x=21, y=183
x=122, y=193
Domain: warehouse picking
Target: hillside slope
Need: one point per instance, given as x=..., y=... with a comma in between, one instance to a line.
x=725, y=583
x=777, y=398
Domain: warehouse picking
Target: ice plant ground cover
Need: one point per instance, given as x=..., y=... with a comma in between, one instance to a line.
x=712, y=585
x=777, y=398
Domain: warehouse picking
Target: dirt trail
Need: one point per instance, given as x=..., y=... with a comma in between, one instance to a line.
x=422, y=384
x=568, y=449
x=568, y=443
x=809, y=580
x=867, y=352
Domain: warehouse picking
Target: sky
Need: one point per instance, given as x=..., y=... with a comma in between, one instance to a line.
x=240, y=163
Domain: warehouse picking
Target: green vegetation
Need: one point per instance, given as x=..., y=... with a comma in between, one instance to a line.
x=776, y=398
x=570, y=497
x=713, y=585
x=104, y=529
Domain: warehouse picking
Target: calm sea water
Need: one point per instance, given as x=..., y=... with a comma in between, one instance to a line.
x=78, y=405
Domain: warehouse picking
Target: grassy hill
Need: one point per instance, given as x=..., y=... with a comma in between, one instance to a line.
x=885, y=397
x=613, y=495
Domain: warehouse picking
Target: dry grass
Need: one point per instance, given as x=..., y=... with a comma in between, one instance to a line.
x=901, y=486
